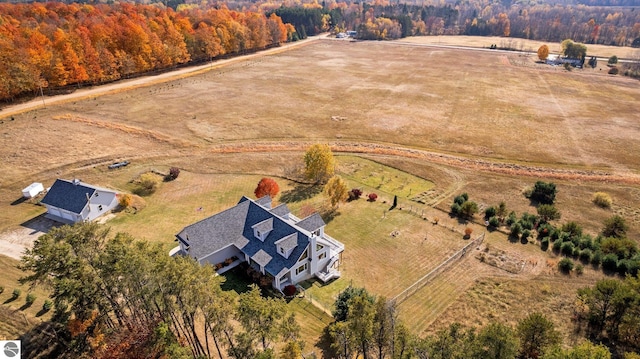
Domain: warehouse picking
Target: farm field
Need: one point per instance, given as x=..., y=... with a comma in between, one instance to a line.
x=522, y=45
x=421, y=123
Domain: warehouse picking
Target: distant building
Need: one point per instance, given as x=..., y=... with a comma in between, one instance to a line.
x=273, y=241
x=557, y=60
x=74, y=201
x=352, y=33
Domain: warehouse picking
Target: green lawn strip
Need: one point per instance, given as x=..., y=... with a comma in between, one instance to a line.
x=189, y=199
x=312, y=322
x=378, y=177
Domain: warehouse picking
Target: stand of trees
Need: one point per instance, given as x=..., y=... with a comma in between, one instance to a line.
x=367, y=326
x=53, y=44
x=115, y=297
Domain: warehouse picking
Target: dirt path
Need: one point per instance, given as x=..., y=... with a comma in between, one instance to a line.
x=145, y=80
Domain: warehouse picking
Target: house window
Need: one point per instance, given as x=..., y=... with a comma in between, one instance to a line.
x=304, y=255
x=301, y=269
x=99, y=207
x=319, y=247
x=281, y=250
x=322, y=255
x=96, y=194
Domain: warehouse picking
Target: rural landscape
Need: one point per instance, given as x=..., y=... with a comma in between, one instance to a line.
x=487, y=201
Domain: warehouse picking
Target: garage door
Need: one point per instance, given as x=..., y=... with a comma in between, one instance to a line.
x=54, y=212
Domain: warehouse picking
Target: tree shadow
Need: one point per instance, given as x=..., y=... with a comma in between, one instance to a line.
x=524, y=240
x=236, y=280
x=324, y=344
x=513, y=239
x=13, y=298
x=25, y=306
x=329, y=214
x=42, y=312
x=300, y=193
x=41, y=342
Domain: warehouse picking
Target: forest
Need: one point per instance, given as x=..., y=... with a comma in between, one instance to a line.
x=62, y=45
x=52, y=45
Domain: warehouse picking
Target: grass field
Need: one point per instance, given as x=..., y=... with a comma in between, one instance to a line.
x=522, y=45
x=227, y=128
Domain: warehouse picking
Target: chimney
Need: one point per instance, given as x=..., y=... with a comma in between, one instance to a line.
x=76, y=181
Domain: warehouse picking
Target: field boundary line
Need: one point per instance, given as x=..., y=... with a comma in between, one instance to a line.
x=420, y=283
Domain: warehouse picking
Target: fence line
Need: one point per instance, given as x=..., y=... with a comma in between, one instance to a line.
x=412, y=289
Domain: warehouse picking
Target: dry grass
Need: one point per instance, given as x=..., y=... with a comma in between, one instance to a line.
x=228, y=127
x=521, y=44
x=16, y=317
x=385, y=92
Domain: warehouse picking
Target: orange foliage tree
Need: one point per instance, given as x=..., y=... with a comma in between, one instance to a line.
x=267, y=186
x=57, y=44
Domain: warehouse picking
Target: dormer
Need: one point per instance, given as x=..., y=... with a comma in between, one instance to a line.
x=262, y=229
x=286, y=245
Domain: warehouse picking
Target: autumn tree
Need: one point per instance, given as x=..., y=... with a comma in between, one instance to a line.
x=573, y=50
x=124, y=200
x=337, y=191
x=543, y=52
x=319, y=163
x=267, y=187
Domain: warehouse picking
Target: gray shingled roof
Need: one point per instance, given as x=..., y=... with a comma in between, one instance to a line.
x=216, y=232
x=234, y=226
x=281, y=210
x=264, y=201
x=288, y=242
x=68, y=196
x=311, y=223
x=264, y=226
x=262, y=258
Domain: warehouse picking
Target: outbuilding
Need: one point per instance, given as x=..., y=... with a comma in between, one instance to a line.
x=75, y=201
x=32, y=190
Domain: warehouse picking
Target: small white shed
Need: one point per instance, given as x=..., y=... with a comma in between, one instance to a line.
x=32, y=190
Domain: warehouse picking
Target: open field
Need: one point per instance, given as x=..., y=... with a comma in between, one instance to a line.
x=441, y=121
x=521, y=45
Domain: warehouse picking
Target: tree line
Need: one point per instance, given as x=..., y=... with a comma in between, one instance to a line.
x=54, y=44
x=367, y=326
x=537, y=21
x=115, y=297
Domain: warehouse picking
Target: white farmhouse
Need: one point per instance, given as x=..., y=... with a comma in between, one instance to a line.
x=272, y=240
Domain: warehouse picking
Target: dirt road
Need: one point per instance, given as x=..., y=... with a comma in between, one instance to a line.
x=145, y=80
